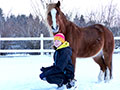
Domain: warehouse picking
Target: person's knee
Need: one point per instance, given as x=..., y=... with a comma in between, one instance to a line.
x=70, y=76
x=49, y=80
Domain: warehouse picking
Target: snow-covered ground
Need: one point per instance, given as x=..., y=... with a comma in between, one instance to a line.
x=22, y=73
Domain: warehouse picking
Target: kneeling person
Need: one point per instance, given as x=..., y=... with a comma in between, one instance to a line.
x=62, y=70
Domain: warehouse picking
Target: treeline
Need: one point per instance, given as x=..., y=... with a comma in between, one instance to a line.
x=82, y=22
x=22, y=26
x=29, y=26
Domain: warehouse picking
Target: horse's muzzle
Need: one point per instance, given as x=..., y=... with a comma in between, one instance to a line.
x=56, y=29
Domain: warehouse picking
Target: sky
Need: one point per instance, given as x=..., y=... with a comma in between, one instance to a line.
x=15, y=6
x=25, y=6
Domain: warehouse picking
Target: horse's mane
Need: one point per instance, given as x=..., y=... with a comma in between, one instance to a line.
x=49, y=7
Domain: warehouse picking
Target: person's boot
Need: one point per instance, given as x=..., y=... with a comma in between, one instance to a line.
x=60, y=85
x=71, y=83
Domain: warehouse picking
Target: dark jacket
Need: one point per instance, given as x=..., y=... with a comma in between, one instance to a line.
x=62, y=62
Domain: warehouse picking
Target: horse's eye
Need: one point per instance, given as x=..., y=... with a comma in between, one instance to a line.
x=49, y=14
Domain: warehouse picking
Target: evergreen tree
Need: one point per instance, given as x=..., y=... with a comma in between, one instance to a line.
x=2, y=21
x=82, y=21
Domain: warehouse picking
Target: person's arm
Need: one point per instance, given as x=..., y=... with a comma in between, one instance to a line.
x=60, y=64
x=46, y=68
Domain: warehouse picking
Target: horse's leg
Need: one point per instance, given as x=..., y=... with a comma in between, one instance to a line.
x=100, y=61
x=108, y=63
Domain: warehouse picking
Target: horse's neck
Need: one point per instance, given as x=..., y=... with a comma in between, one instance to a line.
x=72, y=26
x=69, y=26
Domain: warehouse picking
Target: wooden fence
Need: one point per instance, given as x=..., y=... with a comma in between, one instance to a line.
x=41, y=50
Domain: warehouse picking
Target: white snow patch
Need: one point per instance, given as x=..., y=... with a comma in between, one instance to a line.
x=22, y=73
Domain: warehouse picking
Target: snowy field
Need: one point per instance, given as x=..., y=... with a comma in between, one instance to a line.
x=22, y=73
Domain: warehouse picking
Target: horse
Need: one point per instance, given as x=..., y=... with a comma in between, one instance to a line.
x=94, y=41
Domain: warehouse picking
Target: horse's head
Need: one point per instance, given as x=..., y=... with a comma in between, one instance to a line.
x=54, y=17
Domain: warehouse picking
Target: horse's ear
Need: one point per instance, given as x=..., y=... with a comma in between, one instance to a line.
x=58, y=4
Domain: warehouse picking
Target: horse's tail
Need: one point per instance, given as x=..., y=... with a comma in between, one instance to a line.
x=99, y=27
x=109, y=39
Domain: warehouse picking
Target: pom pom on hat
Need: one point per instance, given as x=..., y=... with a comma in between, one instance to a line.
x=60, y=37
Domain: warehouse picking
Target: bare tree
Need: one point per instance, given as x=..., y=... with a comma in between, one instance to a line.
x=106, y=16
x=39, y=9
x=111, y=15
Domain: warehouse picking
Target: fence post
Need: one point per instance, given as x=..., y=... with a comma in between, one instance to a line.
x=41, y=44
x=0, y=42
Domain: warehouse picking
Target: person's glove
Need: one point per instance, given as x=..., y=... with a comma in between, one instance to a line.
x=42, y=69
x=42, y=76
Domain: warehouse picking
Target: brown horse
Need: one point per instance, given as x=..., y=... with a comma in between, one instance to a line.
x=94, y=41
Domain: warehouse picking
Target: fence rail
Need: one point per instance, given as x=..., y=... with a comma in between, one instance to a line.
x=117, y=38
x=41, y=38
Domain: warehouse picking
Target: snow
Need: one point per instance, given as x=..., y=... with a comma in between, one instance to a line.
x=22, y=73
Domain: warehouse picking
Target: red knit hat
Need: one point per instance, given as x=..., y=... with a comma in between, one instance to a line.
x=59, y=36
